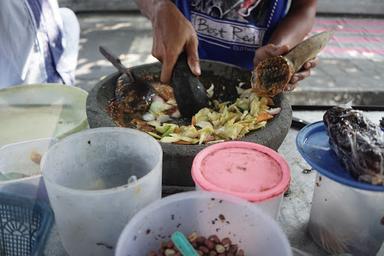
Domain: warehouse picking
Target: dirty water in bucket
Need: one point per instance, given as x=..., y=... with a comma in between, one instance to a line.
x=102, y=161
x=112, y=175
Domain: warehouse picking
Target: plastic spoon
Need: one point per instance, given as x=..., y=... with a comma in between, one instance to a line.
x=183, y=245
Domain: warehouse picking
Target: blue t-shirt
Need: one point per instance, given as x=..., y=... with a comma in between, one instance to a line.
x=231, y=30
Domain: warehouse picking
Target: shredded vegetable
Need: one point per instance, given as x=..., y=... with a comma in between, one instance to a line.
x=225, y=121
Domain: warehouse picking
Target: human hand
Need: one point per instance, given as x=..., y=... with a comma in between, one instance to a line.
x=173, y=33
x=271, y=50
x=303, y=73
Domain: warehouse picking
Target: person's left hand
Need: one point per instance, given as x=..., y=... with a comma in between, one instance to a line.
x=303, y=73
x=271, y=50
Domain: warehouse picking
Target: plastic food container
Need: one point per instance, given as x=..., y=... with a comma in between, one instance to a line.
x=207, y=214
x=20, y=168
x=29, y=112
x=96, y=181
x=243, y=169
x=347, y=216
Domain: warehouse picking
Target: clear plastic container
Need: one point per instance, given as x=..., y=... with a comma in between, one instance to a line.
x=207, y=214
x=243, y=169
x=20, y=168
x=38, y=111
x=344, y=219
x=347, y=216
x=96, y=181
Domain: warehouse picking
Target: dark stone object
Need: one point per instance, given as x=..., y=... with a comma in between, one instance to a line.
x=357, y=142
x=190, y=94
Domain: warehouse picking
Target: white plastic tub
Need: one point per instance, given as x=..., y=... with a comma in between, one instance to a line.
x=23, y=159
x=347, y=216
x=246, y=225
x=345, y=219
x=243, y=169
x=87, y=175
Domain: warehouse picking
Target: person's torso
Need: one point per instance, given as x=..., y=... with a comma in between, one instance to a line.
x=30, y=46
x=231, y=30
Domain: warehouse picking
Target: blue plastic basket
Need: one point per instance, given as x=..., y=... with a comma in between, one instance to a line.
x=24, y=225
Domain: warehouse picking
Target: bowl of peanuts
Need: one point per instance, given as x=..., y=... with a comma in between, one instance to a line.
x=215, y=225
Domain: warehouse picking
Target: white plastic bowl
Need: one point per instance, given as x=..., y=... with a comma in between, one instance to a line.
x=38, y=111
x=245, y=224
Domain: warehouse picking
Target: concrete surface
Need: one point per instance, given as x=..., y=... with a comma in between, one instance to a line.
x=350, y=66
x=324, y=6
x=351, y=6
x=99, y=5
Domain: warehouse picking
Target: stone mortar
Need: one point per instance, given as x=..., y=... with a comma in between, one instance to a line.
x=178, y=159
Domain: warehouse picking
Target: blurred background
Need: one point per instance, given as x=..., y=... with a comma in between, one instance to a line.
x=351, y=67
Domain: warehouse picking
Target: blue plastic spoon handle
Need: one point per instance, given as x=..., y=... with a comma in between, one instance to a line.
x=183, y=245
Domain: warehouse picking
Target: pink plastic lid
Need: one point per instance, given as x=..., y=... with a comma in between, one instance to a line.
x=244, y=169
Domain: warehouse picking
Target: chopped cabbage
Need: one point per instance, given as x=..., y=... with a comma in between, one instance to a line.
x=224, y=121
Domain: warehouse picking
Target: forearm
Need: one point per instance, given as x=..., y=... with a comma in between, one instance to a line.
x=296, y=25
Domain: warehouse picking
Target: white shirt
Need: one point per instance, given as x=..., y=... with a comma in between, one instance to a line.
x=36, y=46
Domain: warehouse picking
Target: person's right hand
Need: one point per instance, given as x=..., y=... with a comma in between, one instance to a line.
x=173, y=33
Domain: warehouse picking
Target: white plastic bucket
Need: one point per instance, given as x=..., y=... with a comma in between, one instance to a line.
x=87, y=175
x=246, y=225
x=345, y=219
x=347, y=215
